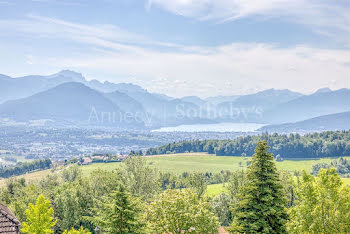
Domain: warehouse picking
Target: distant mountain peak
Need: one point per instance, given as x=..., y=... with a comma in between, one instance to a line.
x=193, y=99
x=69, y=73
x=72, y=75
x=127, y=87
x=323, y=90
x=276, y=91
x=2, y=76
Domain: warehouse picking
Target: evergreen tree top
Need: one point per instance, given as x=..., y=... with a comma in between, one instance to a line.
x=262, y=205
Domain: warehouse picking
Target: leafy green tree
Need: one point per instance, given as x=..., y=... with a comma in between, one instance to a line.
x=141, y=179
x=198, y=183
x=72, y=202
x=237, y=181
x=167, y=180
x=222, y=208
x=39, y=217
x=323, y=205
x=119, y=212
x=289, y=185
x=81, y=230
x=181, y=211
x=17, y=195
x=103, y=182
x=22, y=198
x=49, y=182
x=71, y=173
x=261, y=208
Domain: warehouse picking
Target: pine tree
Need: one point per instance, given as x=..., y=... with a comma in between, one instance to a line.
x=261, y=208
x=119, y=212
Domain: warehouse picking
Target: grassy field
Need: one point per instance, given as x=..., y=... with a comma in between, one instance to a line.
x=201, y=162
x=103, y=166
x=215, y=189
x=30, y=177
x=191, y=162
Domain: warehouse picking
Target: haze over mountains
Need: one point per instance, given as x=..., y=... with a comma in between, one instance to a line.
x=339, y=121
x=306, y=107
x=68, y=99
x=72, y=103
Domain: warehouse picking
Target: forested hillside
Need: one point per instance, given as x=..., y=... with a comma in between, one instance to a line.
x=315, y=145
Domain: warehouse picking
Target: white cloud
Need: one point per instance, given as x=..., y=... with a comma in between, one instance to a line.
x=245, y=67
x=106, y=53
x=224, y=9
x=319, y=14
x=105, y=35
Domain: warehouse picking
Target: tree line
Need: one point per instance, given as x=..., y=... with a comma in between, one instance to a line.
x=22, y=168
x=315, y=145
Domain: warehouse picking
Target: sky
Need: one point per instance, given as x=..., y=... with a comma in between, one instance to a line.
x=182, y=47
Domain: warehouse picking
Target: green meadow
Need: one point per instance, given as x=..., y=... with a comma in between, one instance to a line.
x=191, y=162
x=215, y=189
x=201, y=162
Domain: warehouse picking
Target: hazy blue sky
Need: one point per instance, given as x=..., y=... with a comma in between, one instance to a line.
x=182, y=47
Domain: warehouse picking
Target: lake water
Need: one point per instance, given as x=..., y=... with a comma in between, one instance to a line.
x=219, y=127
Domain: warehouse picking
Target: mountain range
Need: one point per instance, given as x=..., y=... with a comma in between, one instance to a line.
x=71, y=103
x=332, y=122
x=69, y=99
x=310, y=106
x=21, y=87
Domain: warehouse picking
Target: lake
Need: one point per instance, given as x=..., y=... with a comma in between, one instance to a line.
x=218, y=127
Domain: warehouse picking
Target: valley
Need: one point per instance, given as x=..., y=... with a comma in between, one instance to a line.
x=174, y=116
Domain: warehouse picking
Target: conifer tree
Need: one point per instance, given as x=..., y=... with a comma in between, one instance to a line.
x=261, y=208
x=119, y=212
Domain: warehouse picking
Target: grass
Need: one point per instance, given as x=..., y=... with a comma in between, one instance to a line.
x=195, y=163
x=201, y=162
x=299, y=165
x=103, y=166
x=190, y=162
x=30, y=177
x=214, y=190
x=179, y=163
x=346, y=181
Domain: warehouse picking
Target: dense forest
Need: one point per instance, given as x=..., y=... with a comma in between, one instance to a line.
x=315, y=145
x=22, y=168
